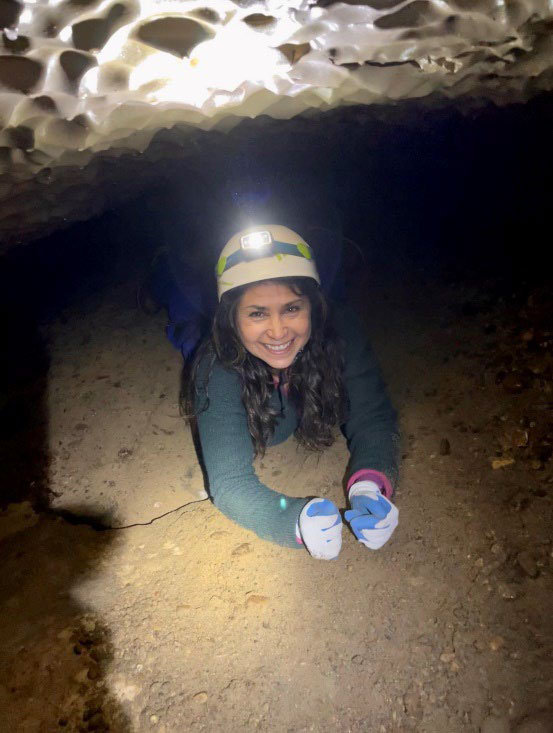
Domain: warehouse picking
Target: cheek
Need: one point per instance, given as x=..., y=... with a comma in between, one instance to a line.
x=246, y=330
x=303, y=328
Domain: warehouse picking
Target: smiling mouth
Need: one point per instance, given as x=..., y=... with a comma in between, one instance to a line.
x=280, y=349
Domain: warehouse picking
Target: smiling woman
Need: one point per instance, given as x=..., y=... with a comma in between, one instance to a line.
x=273, y=323
x=279, y=362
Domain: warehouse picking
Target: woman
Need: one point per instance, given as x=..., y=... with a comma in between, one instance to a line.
x=278, y=363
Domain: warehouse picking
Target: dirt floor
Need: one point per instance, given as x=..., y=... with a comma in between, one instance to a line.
x=190, y=623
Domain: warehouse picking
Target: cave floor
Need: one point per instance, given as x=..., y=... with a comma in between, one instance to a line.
x=191, y=623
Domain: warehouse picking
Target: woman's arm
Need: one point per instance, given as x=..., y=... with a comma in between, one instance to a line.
x=228, y=454
x=371, y=428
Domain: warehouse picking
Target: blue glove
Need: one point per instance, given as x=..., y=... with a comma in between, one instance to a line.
x=320, y=527
x=372, y=518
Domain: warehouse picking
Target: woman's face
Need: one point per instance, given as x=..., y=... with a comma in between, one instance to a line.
x=273, y=322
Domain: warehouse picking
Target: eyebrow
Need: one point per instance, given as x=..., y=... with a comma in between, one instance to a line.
x=264, y=307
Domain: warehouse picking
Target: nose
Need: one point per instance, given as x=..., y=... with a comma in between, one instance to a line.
x=277, y=329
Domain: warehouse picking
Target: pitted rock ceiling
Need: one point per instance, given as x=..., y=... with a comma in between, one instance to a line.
x=82, y=79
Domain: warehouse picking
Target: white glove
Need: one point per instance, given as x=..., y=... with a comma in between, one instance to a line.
x=320, y=528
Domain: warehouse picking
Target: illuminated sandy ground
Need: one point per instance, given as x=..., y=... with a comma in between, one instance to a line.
x=193, y=624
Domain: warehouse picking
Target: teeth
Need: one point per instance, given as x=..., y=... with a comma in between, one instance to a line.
x=282, y=347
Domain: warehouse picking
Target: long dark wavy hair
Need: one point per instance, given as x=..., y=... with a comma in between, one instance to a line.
x=315, y=383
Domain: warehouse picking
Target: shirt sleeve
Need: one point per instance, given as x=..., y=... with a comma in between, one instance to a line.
x=371, y=429
x=227, y=453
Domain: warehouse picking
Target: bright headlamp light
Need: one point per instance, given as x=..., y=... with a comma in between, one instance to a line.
x=256, y=241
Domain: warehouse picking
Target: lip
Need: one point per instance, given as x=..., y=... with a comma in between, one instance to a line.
x=283, y=352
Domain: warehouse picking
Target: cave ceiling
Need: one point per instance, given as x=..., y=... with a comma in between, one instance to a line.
x=94, y=95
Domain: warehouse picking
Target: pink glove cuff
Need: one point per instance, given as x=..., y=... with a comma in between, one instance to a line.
x=379, y=479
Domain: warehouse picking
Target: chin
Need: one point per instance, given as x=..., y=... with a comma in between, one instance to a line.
x=283, y=364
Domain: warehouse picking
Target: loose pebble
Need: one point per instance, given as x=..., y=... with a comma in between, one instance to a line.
x=255, y=600
x=242, y=549
x=200, y=697
x=496, y=643
x=509, y=591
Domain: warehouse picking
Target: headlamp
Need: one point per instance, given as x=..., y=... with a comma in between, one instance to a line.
x=256, y=241
x=260, y=245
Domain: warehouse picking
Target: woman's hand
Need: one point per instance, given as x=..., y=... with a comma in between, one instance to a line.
x=372, y=518
x=320, y=526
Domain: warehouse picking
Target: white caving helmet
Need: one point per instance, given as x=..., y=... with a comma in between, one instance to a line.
x=263, y=253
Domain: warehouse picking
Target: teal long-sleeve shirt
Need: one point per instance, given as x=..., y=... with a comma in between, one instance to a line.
x=227, y=449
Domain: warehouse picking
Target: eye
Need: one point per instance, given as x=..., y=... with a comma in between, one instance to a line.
x=293, y=308
x=256, y=314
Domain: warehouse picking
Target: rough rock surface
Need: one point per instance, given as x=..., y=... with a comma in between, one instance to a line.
x=82, y=78
x=192, y=623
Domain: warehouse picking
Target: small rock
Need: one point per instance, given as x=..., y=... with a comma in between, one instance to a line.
x=242, y=549
x=411, y=702
x=527, y=563
x=154, y=720
x=447, y=657
x=358, y=659
x=514, y=438
x=494, y=724
x=200, y=697
x=496, y=643
x=124, y=453
x=502, y=462
x=514, y=383
x=445, y=448
x=88, y=624
x=509, y=591
x=255, y=600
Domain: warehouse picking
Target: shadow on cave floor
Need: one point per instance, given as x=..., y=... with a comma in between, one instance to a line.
x=54, y=649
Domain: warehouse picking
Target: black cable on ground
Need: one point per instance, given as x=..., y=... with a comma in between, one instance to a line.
x=97, y=525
